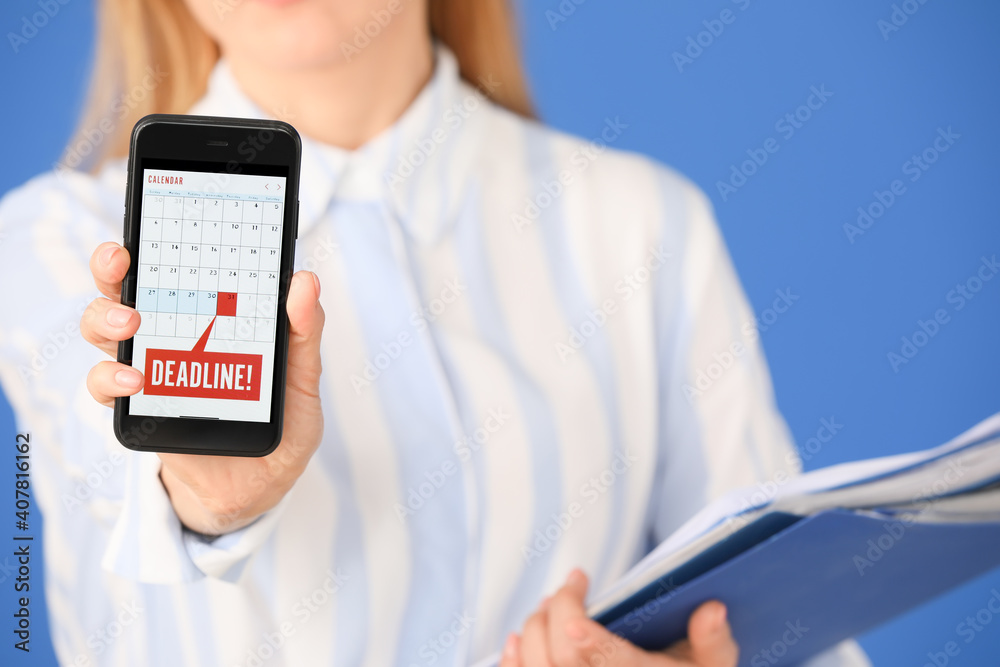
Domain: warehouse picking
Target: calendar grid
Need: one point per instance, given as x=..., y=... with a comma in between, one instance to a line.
x=202, y=258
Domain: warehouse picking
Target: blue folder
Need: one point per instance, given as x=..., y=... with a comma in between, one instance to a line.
x=797, y=586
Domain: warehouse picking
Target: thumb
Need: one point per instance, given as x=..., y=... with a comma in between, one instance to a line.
x=305, y=318
x=711, y=641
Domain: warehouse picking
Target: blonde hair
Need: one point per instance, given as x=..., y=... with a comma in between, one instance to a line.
x=139, y=39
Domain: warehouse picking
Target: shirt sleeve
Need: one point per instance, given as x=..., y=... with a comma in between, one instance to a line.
x=845, y=654
x=720, y=428
x=149, y=543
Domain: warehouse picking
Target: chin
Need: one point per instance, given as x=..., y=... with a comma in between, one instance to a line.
x=282, y=33
x=292, y=49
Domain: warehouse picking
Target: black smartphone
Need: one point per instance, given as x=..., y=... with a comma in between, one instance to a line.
x=211, y=218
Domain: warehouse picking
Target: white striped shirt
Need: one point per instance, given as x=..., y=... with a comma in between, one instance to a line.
x=537, y=356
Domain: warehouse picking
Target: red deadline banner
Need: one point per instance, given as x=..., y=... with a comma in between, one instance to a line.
x=200, y=374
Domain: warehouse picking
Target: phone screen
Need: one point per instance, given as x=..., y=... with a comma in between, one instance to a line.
x=207, y=293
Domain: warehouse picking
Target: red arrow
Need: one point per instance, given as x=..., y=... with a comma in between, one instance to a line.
x=200, y=345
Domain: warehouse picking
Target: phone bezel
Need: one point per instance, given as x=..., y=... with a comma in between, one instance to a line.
x=223, y=145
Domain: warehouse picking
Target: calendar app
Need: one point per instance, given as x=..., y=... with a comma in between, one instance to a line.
x=207, y=293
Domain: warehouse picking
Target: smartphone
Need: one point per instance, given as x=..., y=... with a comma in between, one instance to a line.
x=211, y=218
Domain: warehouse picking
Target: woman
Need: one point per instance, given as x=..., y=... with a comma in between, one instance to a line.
x=514, y=327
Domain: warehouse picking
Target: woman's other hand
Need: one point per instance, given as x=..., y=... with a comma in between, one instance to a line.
x=559, y=634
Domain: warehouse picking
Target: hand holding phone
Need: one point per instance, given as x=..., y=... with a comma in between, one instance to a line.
x=213, y=494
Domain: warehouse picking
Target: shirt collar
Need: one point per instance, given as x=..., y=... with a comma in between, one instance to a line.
x=418, y=166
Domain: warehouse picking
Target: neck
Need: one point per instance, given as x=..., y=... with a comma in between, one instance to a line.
x=343, y=103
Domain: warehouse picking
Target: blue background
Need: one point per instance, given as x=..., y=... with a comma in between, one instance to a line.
x=828, y=353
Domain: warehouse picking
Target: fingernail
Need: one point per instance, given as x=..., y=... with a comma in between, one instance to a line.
x=576, y=631
x=316, y=283
x=720, y=615
x=575, y=578
x=118, y=317
x=108, y=254
x=126, y=378
x=510, y=646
